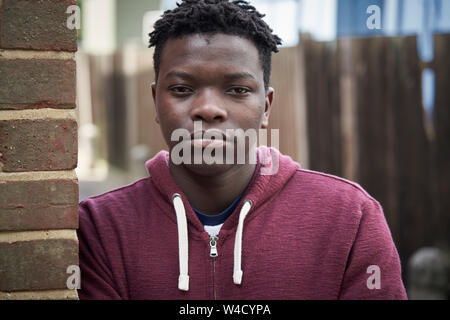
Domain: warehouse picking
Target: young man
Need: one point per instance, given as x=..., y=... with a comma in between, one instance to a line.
x=229, y=229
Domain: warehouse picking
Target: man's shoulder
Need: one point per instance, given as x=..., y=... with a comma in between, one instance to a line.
x=123, y=193
x=328, y=185
x=118, y=204
x=334, y=201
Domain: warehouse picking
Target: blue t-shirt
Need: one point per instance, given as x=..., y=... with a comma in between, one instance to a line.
x=217, y=219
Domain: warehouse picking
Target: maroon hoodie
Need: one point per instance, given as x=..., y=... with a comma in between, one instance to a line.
x=295, y=234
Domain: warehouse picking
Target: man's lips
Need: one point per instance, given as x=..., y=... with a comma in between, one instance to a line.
x=212, y=138
x=217, y=134
x=211, y=143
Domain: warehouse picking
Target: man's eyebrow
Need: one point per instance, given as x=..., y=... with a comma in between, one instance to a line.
x=179, y=74
x=239, y=75
x=229, y=76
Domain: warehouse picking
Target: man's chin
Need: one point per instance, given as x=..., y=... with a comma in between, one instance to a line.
x=209, y=170
x=204, y=160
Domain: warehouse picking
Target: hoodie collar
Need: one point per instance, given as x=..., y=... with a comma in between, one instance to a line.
x=272, y=172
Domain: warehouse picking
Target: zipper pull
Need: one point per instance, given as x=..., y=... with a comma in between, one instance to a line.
x=213, y=244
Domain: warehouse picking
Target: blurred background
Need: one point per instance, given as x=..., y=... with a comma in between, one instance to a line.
x=361, y=92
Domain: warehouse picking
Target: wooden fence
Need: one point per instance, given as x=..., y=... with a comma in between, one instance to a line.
x=366, y=123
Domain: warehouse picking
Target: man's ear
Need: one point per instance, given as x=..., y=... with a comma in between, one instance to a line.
x=267, y=107
x=154, y=101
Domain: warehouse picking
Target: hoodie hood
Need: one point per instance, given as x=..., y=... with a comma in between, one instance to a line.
x=272, y=172
x=297, y=234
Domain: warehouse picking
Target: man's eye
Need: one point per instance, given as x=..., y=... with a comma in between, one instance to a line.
x=239, y=91
x=181, y=90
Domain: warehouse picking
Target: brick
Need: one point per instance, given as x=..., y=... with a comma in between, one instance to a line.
x=37, y=83
x=38, y=145
x=37, y=25
x=38, y=205
x=36, y=264
x=40, y=295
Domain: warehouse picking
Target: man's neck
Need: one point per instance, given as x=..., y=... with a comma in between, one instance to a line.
x=213, y=194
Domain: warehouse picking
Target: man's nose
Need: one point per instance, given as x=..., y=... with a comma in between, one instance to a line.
x=209, y=107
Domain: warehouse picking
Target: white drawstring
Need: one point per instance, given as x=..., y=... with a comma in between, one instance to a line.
x=183, y=253
x=237, y=272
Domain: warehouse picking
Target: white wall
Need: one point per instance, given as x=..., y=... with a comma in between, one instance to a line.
x=99, y=26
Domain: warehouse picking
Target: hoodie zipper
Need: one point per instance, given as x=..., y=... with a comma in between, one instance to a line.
x=213, y=254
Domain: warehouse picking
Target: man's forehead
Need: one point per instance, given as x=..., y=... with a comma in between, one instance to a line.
x=208, y=37
x=199, y=48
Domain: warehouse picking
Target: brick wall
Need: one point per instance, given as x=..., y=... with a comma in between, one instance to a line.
x=38, y=150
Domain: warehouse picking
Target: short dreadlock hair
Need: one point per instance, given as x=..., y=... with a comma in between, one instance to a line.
x=212, y=17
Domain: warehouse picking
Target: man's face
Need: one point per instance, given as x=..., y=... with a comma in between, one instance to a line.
x=216, y=79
